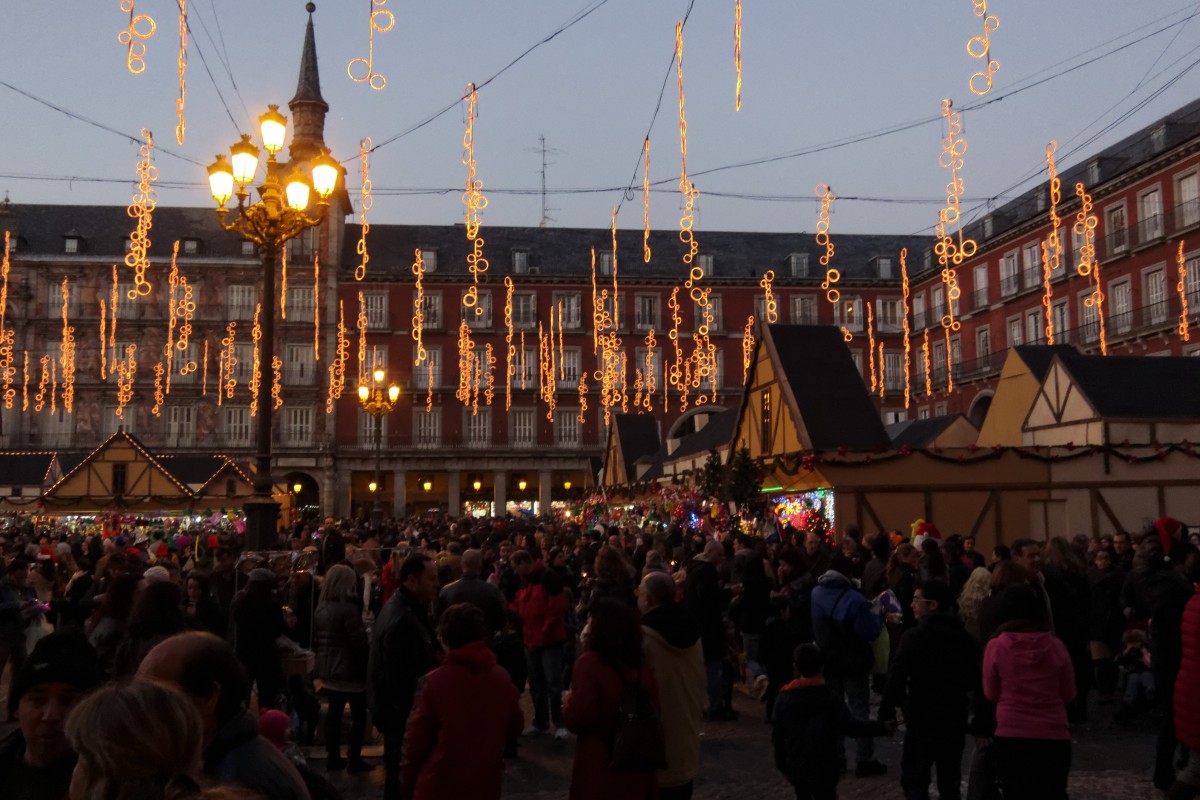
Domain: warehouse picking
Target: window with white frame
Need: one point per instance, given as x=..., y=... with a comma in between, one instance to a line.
x=604, y=262
x=705, y=262
x=481, y=315
x=760, y=307
x=297, y=425
x=521, y=431
x=893, y=373
x=432, y=304
x=303, y=245
x=377, y=310
x=300, y=302
x=938, y=359
x=1150, y=225
x=520, y=262
x=955, y=350
x=920, y=321
x=244, y=368
x=715, y=311
x=715, y=379
x=850, y=313
x=180, y=425
x=567, y=430
x=983, y=341
x=1187, y=200
x=1192, y=265
x=1010, y=281
x=606, y=304
x=127, y=307
x=477, y=425
x=111, y=422
x=236, y=426
x=430, y=260
x=367, y=426
x=1014, y=332
x=54, y=298
x=923, y=412
x=980, y=277
x=525, y=369
x=249, y=249
x=890, y=314
x=1115, y=229
x=299, y=367
x=938, y=304
x=571, y=306
x=187, y=357
x=240, y=300
x=428, y=372
x=1061, y=316
x=798, y=265
x=646, y=311
x=427, y=427
x=524, y=310
x=1120, y=306
x=1035, y=323
x=939, y=409
x=1033, y=264
x=804, y=310
x=1089, y=318
x=568, y=373
x=1155, y=292
x=655, y=367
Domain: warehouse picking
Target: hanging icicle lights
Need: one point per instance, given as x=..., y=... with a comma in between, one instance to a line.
x=316, y=308
x=871, y=344
x=142, y=209
x=882, y=372
x=747, y=348
x=418, y=317
x=826, y=197
x=362, y=323
x=126, y=371
x=952, y=253
x=7, y=370
x=928, y=365
x=140, y=29
x=646, y=204
x=1085, y=232
x=687, y=189
x=256, y=337
x=770, y=304
x=510, y=348
x=362, y=70
x=1052, y=247
x=283, y=283
x=475, y=203
x=907, y=329
x=181, y=126
x=737, y=53
x=364, y=155
x=337, y=368
x=980, y=47
x=66, y=352
x=226, y=363
x=1181, y=287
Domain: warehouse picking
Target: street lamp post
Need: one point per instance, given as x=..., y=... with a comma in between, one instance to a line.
x=281, y=214
x=377, y=402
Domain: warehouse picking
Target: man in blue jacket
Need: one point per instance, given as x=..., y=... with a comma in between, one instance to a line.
x=844, y=626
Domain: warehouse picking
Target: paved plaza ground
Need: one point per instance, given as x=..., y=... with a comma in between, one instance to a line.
x=1109, y=763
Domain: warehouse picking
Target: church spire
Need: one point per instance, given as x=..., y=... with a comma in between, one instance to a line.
x=308, y=107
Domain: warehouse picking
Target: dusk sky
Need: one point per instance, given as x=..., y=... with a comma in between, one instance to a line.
x=814, y=74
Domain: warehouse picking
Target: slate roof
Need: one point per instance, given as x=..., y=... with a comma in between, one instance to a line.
x=567, y=251
x=638, y=436
x=828, y=388
x=1039, y=357
x=195, y=471
x=24, y=469
x=1137, y=387
x=919, y=433
x=717, y=432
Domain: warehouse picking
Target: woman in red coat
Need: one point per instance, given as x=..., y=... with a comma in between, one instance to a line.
x=612, y=659
x=1187, y=703
x=464, y=713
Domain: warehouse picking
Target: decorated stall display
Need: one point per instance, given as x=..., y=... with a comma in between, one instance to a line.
x=807, y=512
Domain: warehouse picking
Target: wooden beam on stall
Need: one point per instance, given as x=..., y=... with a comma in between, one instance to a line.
x=983, y=513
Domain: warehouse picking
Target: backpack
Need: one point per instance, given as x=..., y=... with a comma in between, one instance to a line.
x=846, y=654
x=639, y=744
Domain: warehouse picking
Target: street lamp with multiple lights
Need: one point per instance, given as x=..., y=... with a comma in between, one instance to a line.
x=281, y=213
x=378, y=402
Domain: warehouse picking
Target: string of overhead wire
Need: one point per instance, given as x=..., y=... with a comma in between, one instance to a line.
x=213, y=80
x=578, y=17
x=627, y=192
x=222, y=53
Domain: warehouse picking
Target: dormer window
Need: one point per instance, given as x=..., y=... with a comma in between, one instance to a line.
x=705, y=262
x=883, y=267
x=1093, y=172
x=128, y=245
x=929, y=259
x=604, y=263
x=989, y=226
x=1040, y=200
x=520, y=262
x=1158, y=137
x=72, y=243
x=429, y=257
x=191, y=247
x=798, y=264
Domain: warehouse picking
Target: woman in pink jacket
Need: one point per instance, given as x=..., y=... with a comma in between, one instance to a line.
x=1027, y=673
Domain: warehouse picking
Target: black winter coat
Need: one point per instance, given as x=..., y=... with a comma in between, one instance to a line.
x=1106, y=622
x=810, y=722
x=341, y=643
x=706, y=600
x=403, y=649
x=936, y=668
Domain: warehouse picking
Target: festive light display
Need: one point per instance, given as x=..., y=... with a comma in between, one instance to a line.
x=737, y=53
x=186, y=310
x=6, y=337
x=112, y=323
x=882, y=371
x=43, y=383
x=826, y=197
x=53, y=386
x=362, y=70
x=181, y=126
x=418, y=317
x=510, y=350
x=142, y=209
x=126, y=371
x=980, y=47
x=597, y=310
x=907, y=328
x=172, y=311
x=871, y=343
x=770, y=305
x=1052, y=260
x=616, y=303
x=747, y=348
x=475, y=203
x=466, y=362
x=276, y=382
x=256, y=338
x=651, y=375
x=67, y=353
x=687, y=189
x=283, y=283
x=1088, y=267
x=646, y=204
x=522, y=368
x=928, y=371
x=1047, y=295
x=582, y=417
x=159, y=393
x=949, y=362
x=364, y=155
x=140, y=29
x=675, y=372
x=362, y=335
x=952, y=249
x=1181, y=287
x=429, y=385
x=226, y=363
x=488, y=366
x=25, y=380
x=562, y=361
x=103, y=337
x=204, y=361
x=316, y=308
x=337, y=369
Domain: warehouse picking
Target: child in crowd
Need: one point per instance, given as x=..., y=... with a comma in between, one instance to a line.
x=809, y=722
x=1134, y=664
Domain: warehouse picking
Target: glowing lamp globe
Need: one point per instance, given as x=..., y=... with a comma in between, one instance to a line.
x=372, y=486
x=297, y=191
x=324, y=174
x=427, y=486
x=220, y=180
x=244, y=156
x=521, y=484
x=393, y=393
x=363, y=393
x=477, y=485
x=567, y=485
x=296, y=488
x=273, y=126
x=379, y=376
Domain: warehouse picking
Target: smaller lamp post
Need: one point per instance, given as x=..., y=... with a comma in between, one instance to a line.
x=378, y=402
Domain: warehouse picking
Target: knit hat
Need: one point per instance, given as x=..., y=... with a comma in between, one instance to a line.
x=157, y=574
x=273, y=725
x=162, y=550
x=60, y=657
x=1168, y=529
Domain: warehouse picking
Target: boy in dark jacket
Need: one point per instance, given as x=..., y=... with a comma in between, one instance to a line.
x=810, y=720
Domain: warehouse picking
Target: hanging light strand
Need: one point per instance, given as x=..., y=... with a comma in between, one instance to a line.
x=928, y=365
x=1181, y=287
x=362, y=70
x=134, y=37
x=276, y=382
x=833, y=295
x=737, y=53
x=882, y=372
x=418, y=317
x=25, y=380
x=364, y=155
x=145, y=199
x=66, y=352
x=980, y=47
x=1052, y=262
x=475, y=203
x=747, y=348
x=907, y=327
x=871, y=344
x=770, y=305
x=204, y=371
x=508, y=341
x=362, y=335
x=316, y=308
x=7, y=337
x=952, y=251
x=112, y=323
x=687, y=189
x=172, y=312
x=126, y=371
x=646, y=204
x=255, y=382
x=227, y=377
x=181, y=126
x=283, y=287
x=949, y=362
x=1088, y=267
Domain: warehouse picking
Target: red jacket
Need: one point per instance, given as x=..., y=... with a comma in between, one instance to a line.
x=590, y=711
x=543, y=616
x=1187, y=686
x=463, y=714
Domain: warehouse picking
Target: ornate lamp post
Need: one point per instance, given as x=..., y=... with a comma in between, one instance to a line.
x=377, y=402
x=282, y=213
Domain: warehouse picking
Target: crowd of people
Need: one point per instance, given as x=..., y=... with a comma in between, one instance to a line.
x=145, y=664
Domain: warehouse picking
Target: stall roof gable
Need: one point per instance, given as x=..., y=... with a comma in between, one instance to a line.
x=119, y=440
x=718, y=432
x=637, y=436
x=1138, y=387
x=1038, y=357
x=916, y=434
x=826, y=389
x=26, y=469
